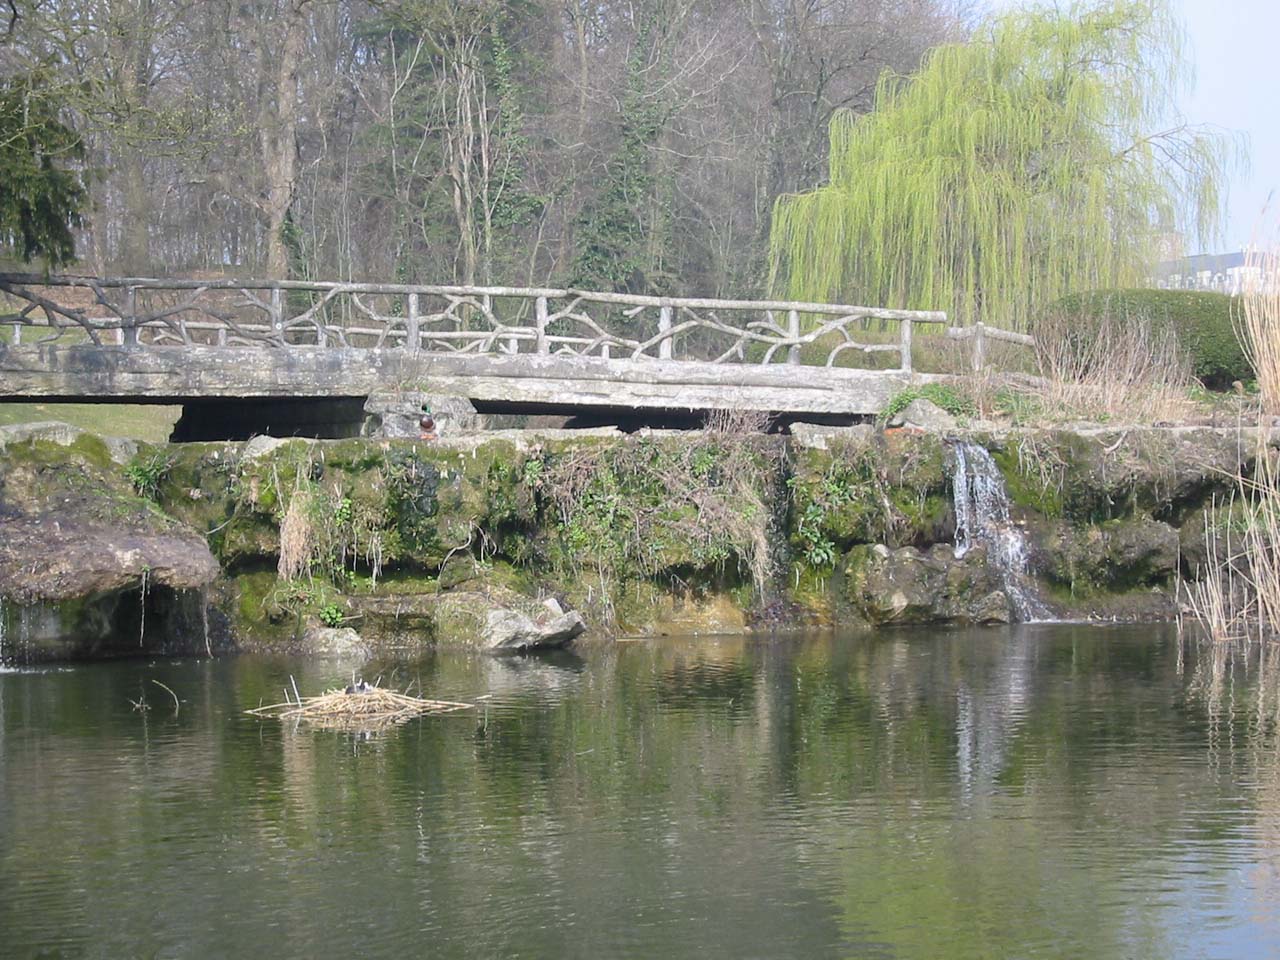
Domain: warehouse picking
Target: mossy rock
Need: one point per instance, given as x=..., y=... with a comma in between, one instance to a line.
x=910, y=586
x=1117, y=473
x=1112, y=557
x=1202, y=320
x=876, y=488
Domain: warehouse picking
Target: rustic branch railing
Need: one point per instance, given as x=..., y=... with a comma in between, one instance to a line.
x=505, y=320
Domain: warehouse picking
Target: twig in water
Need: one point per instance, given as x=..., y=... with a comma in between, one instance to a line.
x=177, y=705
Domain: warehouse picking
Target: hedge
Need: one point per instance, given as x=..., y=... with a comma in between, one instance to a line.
x=1202, y=320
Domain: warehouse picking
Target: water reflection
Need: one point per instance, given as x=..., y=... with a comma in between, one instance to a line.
x=1062, y=791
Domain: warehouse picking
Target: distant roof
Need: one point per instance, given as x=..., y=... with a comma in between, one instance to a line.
x=1213, y=262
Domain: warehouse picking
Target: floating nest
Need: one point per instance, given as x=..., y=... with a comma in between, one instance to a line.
x=361, y=706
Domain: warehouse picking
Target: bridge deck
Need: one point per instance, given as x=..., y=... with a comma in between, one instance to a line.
x=174, y=374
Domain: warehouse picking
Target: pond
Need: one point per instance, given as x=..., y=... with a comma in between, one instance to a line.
x=1036, y=791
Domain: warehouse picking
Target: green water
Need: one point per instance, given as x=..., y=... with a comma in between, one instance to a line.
x=1032, y=792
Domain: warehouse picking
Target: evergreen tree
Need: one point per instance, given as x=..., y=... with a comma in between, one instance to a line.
x=41, y=193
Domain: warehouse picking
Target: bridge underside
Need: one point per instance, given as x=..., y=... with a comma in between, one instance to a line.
x=177, y=374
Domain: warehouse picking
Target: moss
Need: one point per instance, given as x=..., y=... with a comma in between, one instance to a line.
x=927, y=517
x=880, y=488
x=1026, y=490
x=813, y=591
x=269, y=611
x=251, y=592
x=93, y=451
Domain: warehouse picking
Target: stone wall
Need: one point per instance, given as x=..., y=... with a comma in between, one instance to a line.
x=655, y=532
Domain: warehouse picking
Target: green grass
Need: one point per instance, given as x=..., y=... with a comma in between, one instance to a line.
x=149, y=422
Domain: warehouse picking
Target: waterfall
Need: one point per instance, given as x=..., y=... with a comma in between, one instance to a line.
x=982, y=517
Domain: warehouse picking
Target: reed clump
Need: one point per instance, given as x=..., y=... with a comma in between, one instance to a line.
x=1237, y=595
x=1258, y=324
x=1122, y=367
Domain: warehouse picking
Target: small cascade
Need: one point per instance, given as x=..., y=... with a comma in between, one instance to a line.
x=982, y=517
x=204, y=619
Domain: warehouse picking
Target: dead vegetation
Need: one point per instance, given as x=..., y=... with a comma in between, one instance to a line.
x=360, y=706
x=1236, y=595
x=1123, y=368
x=672, y=508
x=1258, y=325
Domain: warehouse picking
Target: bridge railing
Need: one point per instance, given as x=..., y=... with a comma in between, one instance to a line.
x=502, y=320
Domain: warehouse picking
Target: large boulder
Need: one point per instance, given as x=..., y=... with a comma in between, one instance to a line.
x=508, y=630
x=924, y=414
x=1114, y=556
x=334, y=643
x=488, y=617
x=119, y=449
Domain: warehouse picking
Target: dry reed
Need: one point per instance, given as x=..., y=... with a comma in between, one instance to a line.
x=738, y=423
x=1258, y=323
x=297, y=538
x=1237, y=595
x=1127, y=367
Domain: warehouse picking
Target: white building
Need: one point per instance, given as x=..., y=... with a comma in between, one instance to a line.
x=1223, y=273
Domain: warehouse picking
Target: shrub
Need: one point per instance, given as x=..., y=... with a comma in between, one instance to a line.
x=1202, y=321
x=331, y=615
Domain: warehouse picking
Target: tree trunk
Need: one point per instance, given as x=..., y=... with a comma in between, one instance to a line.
x=278, y=127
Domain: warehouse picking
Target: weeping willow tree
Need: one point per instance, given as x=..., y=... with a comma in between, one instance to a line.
x=1034, y=161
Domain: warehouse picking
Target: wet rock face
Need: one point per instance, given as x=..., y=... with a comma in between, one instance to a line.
x=447, y=541
x=77, y=543
x=60, y=557
x=910, y=586
x=1115, y=556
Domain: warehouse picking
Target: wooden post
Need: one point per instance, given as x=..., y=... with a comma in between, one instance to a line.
x=793, y=331
x=979, y=346
x=905, y=344
x=540, y=319
x=129, y=333
x=413, y=334
x=277, y=310
x=222, y=336
x=664, y=327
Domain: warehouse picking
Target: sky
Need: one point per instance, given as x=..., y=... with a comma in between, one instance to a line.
x=1237, y=88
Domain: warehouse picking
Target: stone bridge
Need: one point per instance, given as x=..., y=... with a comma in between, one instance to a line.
x=179, y=341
